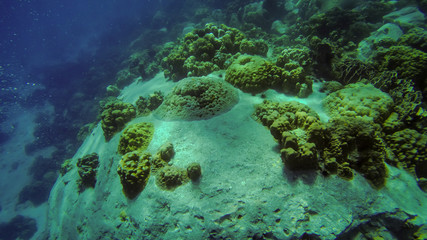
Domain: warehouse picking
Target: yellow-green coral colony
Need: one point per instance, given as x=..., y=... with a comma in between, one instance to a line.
x=136, y=167
x=203, y=51
x=134, y=172
x=115, y=116
x=343, y=144
x=136, y=137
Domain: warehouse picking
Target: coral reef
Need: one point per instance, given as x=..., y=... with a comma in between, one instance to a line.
x=410, y=63
x=136, y=137
x=298, y=130
x=124, y=77
x=359, y=100
x=198, y=98
x=205, y=50
x=407, y=100
x=114, y=117
x=194, y=171
x=171, y=177
x=166, y=151
x=87, y=169
x=345, y=144
x=162, y=157
x=146, y=105
x=416, y=37
x=66, y=166
x=255, y=74
x=409, y=147
x=134, y=172
x=355, y=143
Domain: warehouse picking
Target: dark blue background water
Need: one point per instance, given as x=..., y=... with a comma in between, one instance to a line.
x=50, y=52
x=53, y=44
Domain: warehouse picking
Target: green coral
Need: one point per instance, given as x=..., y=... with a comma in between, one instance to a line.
x=359, y=100
x=66, y=166
x=171, y=177
x=409, y=147
x=341, y=146
x=87, y=169
x=203, y=51
x=300, y=55
x=254, y=74
x=125, y=77
x=194, y=171
x=410, y=63
x=115, y=116
x=134, y=172
x=355, y=143
x=298, y=130
x=136, y=137
x=407, y=100
x=198, y=98
x=152, y=102
x=416, y=37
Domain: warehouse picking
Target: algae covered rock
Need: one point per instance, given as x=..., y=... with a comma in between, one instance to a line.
x=198, y=98
x=87, y=169
x=136, y=137
x=115, y=116
x=359, y=100
x=134, y=172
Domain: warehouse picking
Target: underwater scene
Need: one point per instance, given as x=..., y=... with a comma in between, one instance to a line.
x=168, y=119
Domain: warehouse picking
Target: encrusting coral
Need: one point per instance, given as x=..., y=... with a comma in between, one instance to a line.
x=115, y=116
x=136, y=137
x=197, y=98
x=359, y=100
x=134, y=172
x=87, y=169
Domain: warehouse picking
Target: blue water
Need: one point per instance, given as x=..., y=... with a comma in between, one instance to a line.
x=56, y=60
